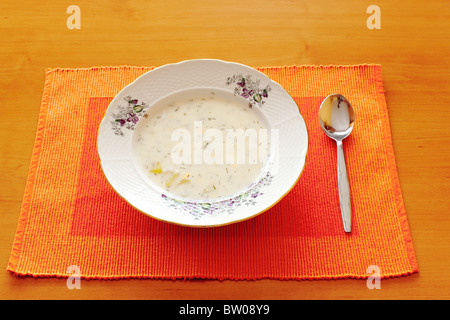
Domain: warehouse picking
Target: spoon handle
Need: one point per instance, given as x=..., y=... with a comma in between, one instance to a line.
x=344, y=188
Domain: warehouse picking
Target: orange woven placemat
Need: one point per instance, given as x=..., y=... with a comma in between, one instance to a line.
x=71, y=216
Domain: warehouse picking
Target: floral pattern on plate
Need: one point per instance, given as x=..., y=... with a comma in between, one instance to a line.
x=249, y=89
x=128, y=116
x=199, y=209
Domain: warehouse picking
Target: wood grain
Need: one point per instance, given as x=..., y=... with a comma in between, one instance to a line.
x=413, y=47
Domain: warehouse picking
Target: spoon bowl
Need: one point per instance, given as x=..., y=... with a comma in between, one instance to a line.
x=337, y=119
x=336, y=116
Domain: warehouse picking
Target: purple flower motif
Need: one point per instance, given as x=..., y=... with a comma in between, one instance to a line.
x=135, y=101
x=241, y=83
x=121, y=121
x=246, y=93
x=132, y=118
x=264, y=94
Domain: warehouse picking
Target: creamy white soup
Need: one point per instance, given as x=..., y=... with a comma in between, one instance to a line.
x=202, y=144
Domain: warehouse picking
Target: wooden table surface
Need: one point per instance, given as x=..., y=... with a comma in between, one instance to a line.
x=413, y=47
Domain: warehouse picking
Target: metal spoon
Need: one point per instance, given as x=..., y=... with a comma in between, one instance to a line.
x=337, y=118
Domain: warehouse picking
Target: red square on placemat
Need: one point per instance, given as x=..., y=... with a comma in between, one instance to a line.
x=310, y=209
